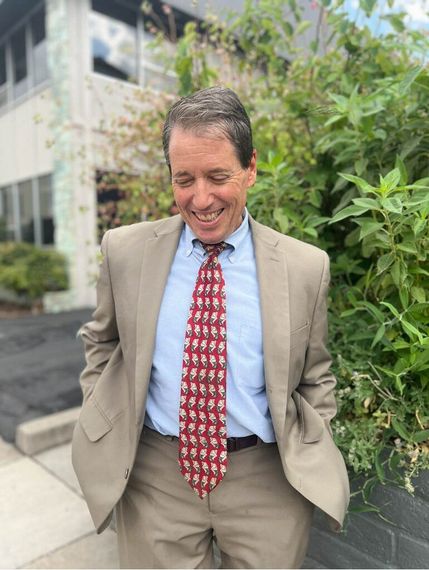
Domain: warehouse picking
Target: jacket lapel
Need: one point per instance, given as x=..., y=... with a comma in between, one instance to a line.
x=274, y=297
x=157, y=257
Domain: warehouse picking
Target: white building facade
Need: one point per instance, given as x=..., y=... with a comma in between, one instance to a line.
x=64, y=66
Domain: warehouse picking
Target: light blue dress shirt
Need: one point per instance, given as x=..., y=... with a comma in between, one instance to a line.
x=246, y=402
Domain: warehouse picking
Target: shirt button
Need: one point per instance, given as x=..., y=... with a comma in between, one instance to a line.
x=188, y=251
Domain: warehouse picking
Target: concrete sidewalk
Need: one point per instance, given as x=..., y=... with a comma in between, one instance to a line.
x=44, y=520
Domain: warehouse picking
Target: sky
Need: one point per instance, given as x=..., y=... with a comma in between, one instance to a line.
x=417, y=14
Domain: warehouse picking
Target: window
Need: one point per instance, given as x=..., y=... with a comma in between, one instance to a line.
x=45, y=206
x=124, y=45
x=25, y=51
x=26, y=211
x=154, y=56
x=113, y=31
x=7, y=225
x=19, y=62
x=39, y=47
x=3, y=77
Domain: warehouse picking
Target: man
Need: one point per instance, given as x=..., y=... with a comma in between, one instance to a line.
x=207, y=390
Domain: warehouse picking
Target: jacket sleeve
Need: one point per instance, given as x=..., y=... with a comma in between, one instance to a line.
x=317, y=382
x=100, y=336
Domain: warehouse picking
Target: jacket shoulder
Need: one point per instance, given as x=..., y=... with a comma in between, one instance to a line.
x=136, y=234
x=293, y=247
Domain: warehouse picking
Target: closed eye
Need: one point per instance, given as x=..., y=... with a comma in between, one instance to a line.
x=184, y=183
x=219, y=179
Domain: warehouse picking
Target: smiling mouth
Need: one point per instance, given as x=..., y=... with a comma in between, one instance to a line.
x=208, y=217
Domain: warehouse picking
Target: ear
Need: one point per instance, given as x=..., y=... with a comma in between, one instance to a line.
x=252, y=170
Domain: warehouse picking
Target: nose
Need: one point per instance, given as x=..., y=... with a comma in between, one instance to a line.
x=202, y=198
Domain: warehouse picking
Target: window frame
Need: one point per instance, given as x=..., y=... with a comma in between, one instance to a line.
x=141, y=63
x=30, y=84
x=34, y=185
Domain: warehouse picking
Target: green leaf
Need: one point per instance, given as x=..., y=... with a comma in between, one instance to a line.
x=391, y=180
x=367, y=6
x=407, y=246
x=378, y=335
x=291, y=214
x=373, y=310
x=368, y=227
x=411, y=331
x=303, y=26
x=360, y=182
x=287, y=26
x=419, y=225
x=401, y=344
x=367, y=203
x=318, y=220
x=315, y=198
x=394, y=461
x=419, y=294
x=409, y=146
x=422, y=182
x=311, y=232
x=384, y=262
x=314, y=46
x=396, y=21
x=347, y=212
x=360, y=165
x=400, y=429
x=281, y=219
x=399, y=385
x=392, y=205
x=404, y=297
x=399, y=163
x=348, y=313
x=409, y=78
x=392, y=309
x=421, y=436
x=378, y=466
x=395, y=272
x=333, y=119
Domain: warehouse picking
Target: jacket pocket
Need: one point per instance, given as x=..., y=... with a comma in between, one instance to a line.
x=311, y=423
x=93, y=420
x=299, y=335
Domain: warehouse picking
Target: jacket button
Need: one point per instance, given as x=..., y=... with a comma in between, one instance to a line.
x=126, y=473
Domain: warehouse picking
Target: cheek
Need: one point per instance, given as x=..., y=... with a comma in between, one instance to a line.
x=180, y=197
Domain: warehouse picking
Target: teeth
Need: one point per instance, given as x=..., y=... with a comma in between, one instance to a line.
x=208, y=217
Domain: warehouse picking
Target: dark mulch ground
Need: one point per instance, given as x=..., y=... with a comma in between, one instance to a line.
x=40, y=363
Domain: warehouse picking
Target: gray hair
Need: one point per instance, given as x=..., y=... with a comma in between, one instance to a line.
x=215, y=110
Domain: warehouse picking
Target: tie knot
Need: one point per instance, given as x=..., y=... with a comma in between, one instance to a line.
x=214, y=249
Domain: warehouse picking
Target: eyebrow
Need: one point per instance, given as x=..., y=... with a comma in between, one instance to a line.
x=183, y=173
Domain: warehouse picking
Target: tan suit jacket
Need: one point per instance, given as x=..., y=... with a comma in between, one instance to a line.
x=119, y=341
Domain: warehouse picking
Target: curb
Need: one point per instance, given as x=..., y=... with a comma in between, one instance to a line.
x=37, y=435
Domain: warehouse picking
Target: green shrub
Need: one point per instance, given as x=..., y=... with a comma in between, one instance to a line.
x=359, y=107
x=381, y=329
x=31, y=271
x=340, y=130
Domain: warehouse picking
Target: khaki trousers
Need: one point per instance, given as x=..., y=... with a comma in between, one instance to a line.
x=257, y=519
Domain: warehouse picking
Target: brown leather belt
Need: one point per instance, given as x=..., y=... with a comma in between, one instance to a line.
x=232, y=443
x=237, y=443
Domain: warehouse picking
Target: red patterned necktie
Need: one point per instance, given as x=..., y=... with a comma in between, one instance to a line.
x=202, y=413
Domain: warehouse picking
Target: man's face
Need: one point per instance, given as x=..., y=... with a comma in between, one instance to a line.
x=209, y=183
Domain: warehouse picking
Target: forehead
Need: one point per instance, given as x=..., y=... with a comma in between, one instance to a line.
x=204, y=149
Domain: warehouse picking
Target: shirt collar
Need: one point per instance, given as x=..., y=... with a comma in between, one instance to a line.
x=234, y=240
